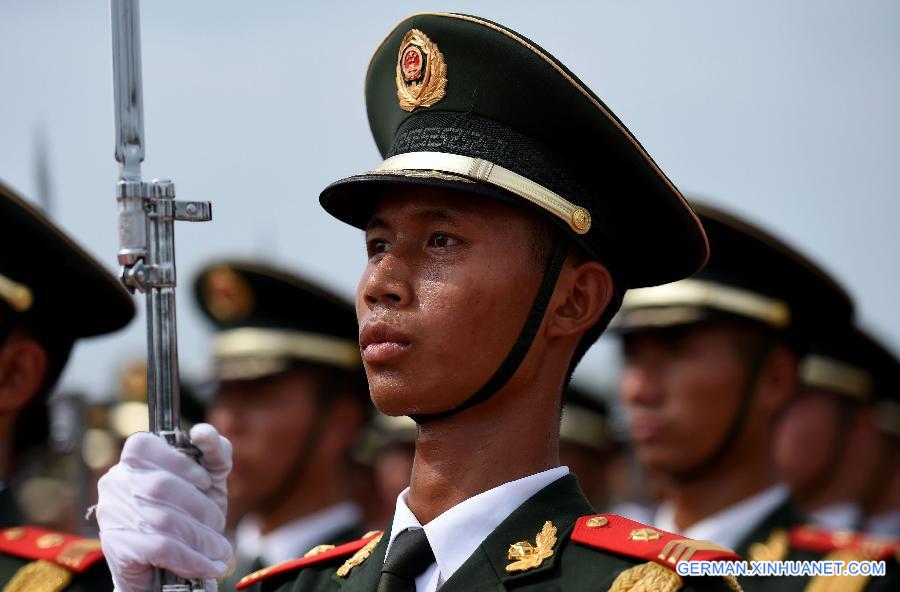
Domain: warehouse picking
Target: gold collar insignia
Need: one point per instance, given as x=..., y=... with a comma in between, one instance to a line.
x=526, y=556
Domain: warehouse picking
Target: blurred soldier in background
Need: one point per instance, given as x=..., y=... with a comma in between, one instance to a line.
x=881, y=502
x=291, y=397
x=827, y=444
x=51, y=294
x=710, y=364
x=586, y=445
x=390, y=444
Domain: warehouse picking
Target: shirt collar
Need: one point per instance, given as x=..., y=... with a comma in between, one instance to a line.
x=729, y=526
x=845, y=515
x=457, y=533
x=294, y=538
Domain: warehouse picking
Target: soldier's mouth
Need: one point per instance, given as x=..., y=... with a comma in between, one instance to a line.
x=380, y=342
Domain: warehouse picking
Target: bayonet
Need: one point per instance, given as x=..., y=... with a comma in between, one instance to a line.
x=147, y=212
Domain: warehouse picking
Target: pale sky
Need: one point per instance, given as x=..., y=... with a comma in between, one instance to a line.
x=784, y=112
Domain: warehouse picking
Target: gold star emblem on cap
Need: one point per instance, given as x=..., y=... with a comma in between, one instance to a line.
x=421, y=72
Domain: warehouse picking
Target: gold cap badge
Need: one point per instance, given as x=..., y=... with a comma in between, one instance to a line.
x=421, y=72
x=228, y=296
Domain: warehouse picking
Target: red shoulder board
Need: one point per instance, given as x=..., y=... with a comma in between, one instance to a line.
x=821, y=540
x=633, y=539
x=73, y=552
x=317, y=555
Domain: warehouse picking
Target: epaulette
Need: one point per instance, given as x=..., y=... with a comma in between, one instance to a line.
x=660, y=549
x=70, y=551
x=820, y=540
x=316, y=555
x=55, y=557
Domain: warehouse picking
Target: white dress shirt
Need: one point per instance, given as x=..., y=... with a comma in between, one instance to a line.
x=885, y=524
x=458, y=532
x=845, y=515
x=730, y=526
x=295, y=538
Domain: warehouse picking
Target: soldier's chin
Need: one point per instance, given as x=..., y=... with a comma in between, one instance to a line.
x=397, y=398
x=659, y=459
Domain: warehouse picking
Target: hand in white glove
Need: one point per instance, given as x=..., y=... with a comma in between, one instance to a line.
x=159, y=508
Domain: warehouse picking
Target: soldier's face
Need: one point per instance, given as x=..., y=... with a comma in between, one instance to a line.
x=449, y=281
x=681, y=389
x=267, y=422
x=806, y=439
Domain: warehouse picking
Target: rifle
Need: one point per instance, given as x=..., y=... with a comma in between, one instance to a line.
x=147, y=212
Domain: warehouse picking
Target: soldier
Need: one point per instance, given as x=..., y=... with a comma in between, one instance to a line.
x=510, y=216
x=291, y=397
x=827, y=441
x=710, y=364
x=586, y=445
x=52, y=293
x=881, y=501
x=392, y=441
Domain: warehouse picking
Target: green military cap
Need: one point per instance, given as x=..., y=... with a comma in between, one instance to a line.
x=268, y=319
x=750, y=275
x=50, y=282
x=461, y=102
x=585, y=420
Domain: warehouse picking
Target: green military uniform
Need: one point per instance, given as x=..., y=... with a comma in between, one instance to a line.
x=59, y=293
x=461, y=103
x=591, y=564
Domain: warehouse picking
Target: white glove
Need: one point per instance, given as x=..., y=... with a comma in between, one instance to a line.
x=159, y=508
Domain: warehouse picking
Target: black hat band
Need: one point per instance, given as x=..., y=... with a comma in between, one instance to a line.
x=479, y=169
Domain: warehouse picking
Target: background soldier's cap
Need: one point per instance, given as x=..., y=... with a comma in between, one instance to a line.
x=885, y=368
x=460, y=102
x=585, y=420
x=750, y=275
x=843, y=361
x=51, y=282
x=268, y=319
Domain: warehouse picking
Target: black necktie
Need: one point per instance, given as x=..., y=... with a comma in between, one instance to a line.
x=410, y=555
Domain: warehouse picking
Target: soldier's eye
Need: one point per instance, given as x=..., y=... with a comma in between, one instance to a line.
x=442, y=241
x=377, y=246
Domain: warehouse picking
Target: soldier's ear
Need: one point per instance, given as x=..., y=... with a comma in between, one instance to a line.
x=778, y=380
x=23, y=368
x=583, y=291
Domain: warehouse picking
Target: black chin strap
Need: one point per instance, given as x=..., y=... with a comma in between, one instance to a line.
x=738, y=421
x=522, y=345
